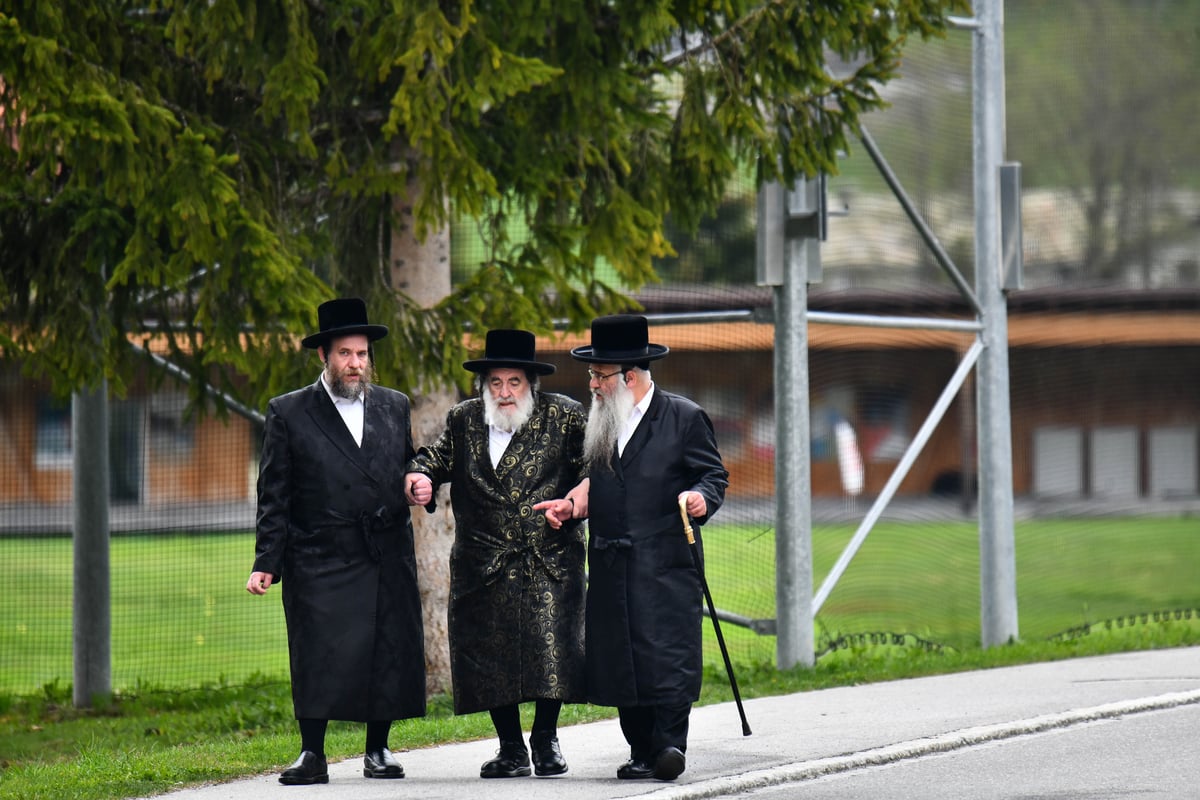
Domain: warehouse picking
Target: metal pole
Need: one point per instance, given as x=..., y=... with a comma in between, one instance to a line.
x=914, y=216
x=793, y=474
x=880, y=321
x=997, y=558
x=175, y=371
x=92, y=637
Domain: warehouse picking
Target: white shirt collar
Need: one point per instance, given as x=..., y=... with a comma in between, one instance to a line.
x=644, y=405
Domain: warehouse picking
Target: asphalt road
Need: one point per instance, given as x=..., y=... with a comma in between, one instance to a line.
x=1151, y=754
x=1119, y=726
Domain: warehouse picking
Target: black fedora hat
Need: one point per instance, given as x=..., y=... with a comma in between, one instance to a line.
x=509, y=348
x=619, y=339
x=344, y=316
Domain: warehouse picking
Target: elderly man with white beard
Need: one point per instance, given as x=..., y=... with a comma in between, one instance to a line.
x=648, y=452
x=516, y=585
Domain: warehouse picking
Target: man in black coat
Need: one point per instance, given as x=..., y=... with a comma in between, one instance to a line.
x=516, y=586
x=333, y=528
x=647, y=452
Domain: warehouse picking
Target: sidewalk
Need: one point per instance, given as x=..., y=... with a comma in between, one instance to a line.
x=794, y=737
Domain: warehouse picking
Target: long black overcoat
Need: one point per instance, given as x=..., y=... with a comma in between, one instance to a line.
x=516, y=585
x=644, y=593
x=334, y=527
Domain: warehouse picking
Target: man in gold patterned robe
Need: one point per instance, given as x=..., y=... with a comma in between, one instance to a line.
x=516, y=585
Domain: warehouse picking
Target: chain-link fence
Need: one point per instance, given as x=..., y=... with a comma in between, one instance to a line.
x=1104, y=363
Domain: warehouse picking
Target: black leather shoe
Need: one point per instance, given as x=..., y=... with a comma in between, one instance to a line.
x=635, y=769
x=306, y=770
x=547, y=756
x=669, y=764
x=381, y=764
x=511, y=761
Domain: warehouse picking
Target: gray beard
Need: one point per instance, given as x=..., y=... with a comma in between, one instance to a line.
x=606, y=418
x=507, y=418
x=349, y=391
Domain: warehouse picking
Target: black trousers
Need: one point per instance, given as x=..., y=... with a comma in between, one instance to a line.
x=650, y=729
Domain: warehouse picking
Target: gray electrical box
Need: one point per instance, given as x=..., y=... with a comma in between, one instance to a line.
x=791, y=227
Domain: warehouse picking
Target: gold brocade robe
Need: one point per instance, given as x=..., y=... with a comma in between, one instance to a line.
x=516, y=584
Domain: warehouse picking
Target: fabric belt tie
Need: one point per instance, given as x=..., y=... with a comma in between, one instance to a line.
x=608, y=548
x=369, y=523
x=512, y=551
x=611, y=543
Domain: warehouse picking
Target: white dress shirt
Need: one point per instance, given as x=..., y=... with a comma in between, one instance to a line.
x=497, y=443
x=635, y=418
x=351, y=411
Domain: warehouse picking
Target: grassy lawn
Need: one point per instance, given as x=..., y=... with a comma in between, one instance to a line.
x=182, y=618
x=922, y=579
x=200, y=665
x=181, y=615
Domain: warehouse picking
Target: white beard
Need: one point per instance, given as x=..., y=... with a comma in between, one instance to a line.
x=508, y=418
x=606, y=419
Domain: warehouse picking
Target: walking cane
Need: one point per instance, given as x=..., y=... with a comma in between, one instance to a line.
x=712, y=613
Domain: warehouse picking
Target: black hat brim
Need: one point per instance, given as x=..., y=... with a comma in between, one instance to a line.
x=588, y=353
x=484, y=364
x=372, y=332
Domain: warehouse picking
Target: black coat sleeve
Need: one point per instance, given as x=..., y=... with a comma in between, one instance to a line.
x=274, y=481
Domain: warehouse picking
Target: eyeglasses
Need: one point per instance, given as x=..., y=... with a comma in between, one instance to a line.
x=599, y=376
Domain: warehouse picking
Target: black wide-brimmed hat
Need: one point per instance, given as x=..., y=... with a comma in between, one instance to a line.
x=344, y=316
x=619, y=339
x=509, y=348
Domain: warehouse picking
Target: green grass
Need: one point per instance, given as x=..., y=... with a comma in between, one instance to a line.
x=182, y=618
x=200, y=665
x=922, y=578
x=181, y=615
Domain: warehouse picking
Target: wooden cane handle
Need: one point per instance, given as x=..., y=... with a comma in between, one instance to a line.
x=687, y=525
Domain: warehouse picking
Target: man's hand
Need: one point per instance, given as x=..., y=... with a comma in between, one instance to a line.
x=573, y=506
x=259, y=582
x=557, y=511
x=695, y=504
x=418, y=489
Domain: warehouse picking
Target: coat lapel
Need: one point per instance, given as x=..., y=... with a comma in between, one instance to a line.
x=479, y=440
x=374, y=431
x=645, y=429
x=329, y=422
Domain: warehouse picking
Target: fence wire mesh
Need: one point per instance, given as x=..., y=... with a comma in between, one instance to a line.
x=1105, y=376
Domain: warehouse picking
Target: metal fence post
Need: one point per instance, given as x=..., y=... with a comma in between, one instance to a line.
x=92, y=633
x=997, y=557
x=788, y=253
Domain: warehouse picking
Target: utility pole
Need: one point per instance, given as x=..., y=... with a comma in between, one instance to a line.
x=997, y=552
x=790, y=227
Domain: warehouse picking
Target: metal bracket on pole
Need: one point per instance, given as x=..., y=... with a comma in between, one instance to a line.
x=1010, y=226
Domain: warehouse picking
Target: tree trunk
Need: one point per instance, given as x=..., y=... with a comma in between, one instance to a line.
x=421, y=269
x=434, y=536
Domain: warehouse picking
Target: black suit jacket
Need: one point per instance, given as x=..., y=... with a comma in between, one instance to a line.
x=334, y=527
x=644, y=594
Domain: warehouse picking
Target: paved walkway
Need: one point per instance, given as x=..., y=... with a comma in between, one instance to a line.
x=802, y=738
